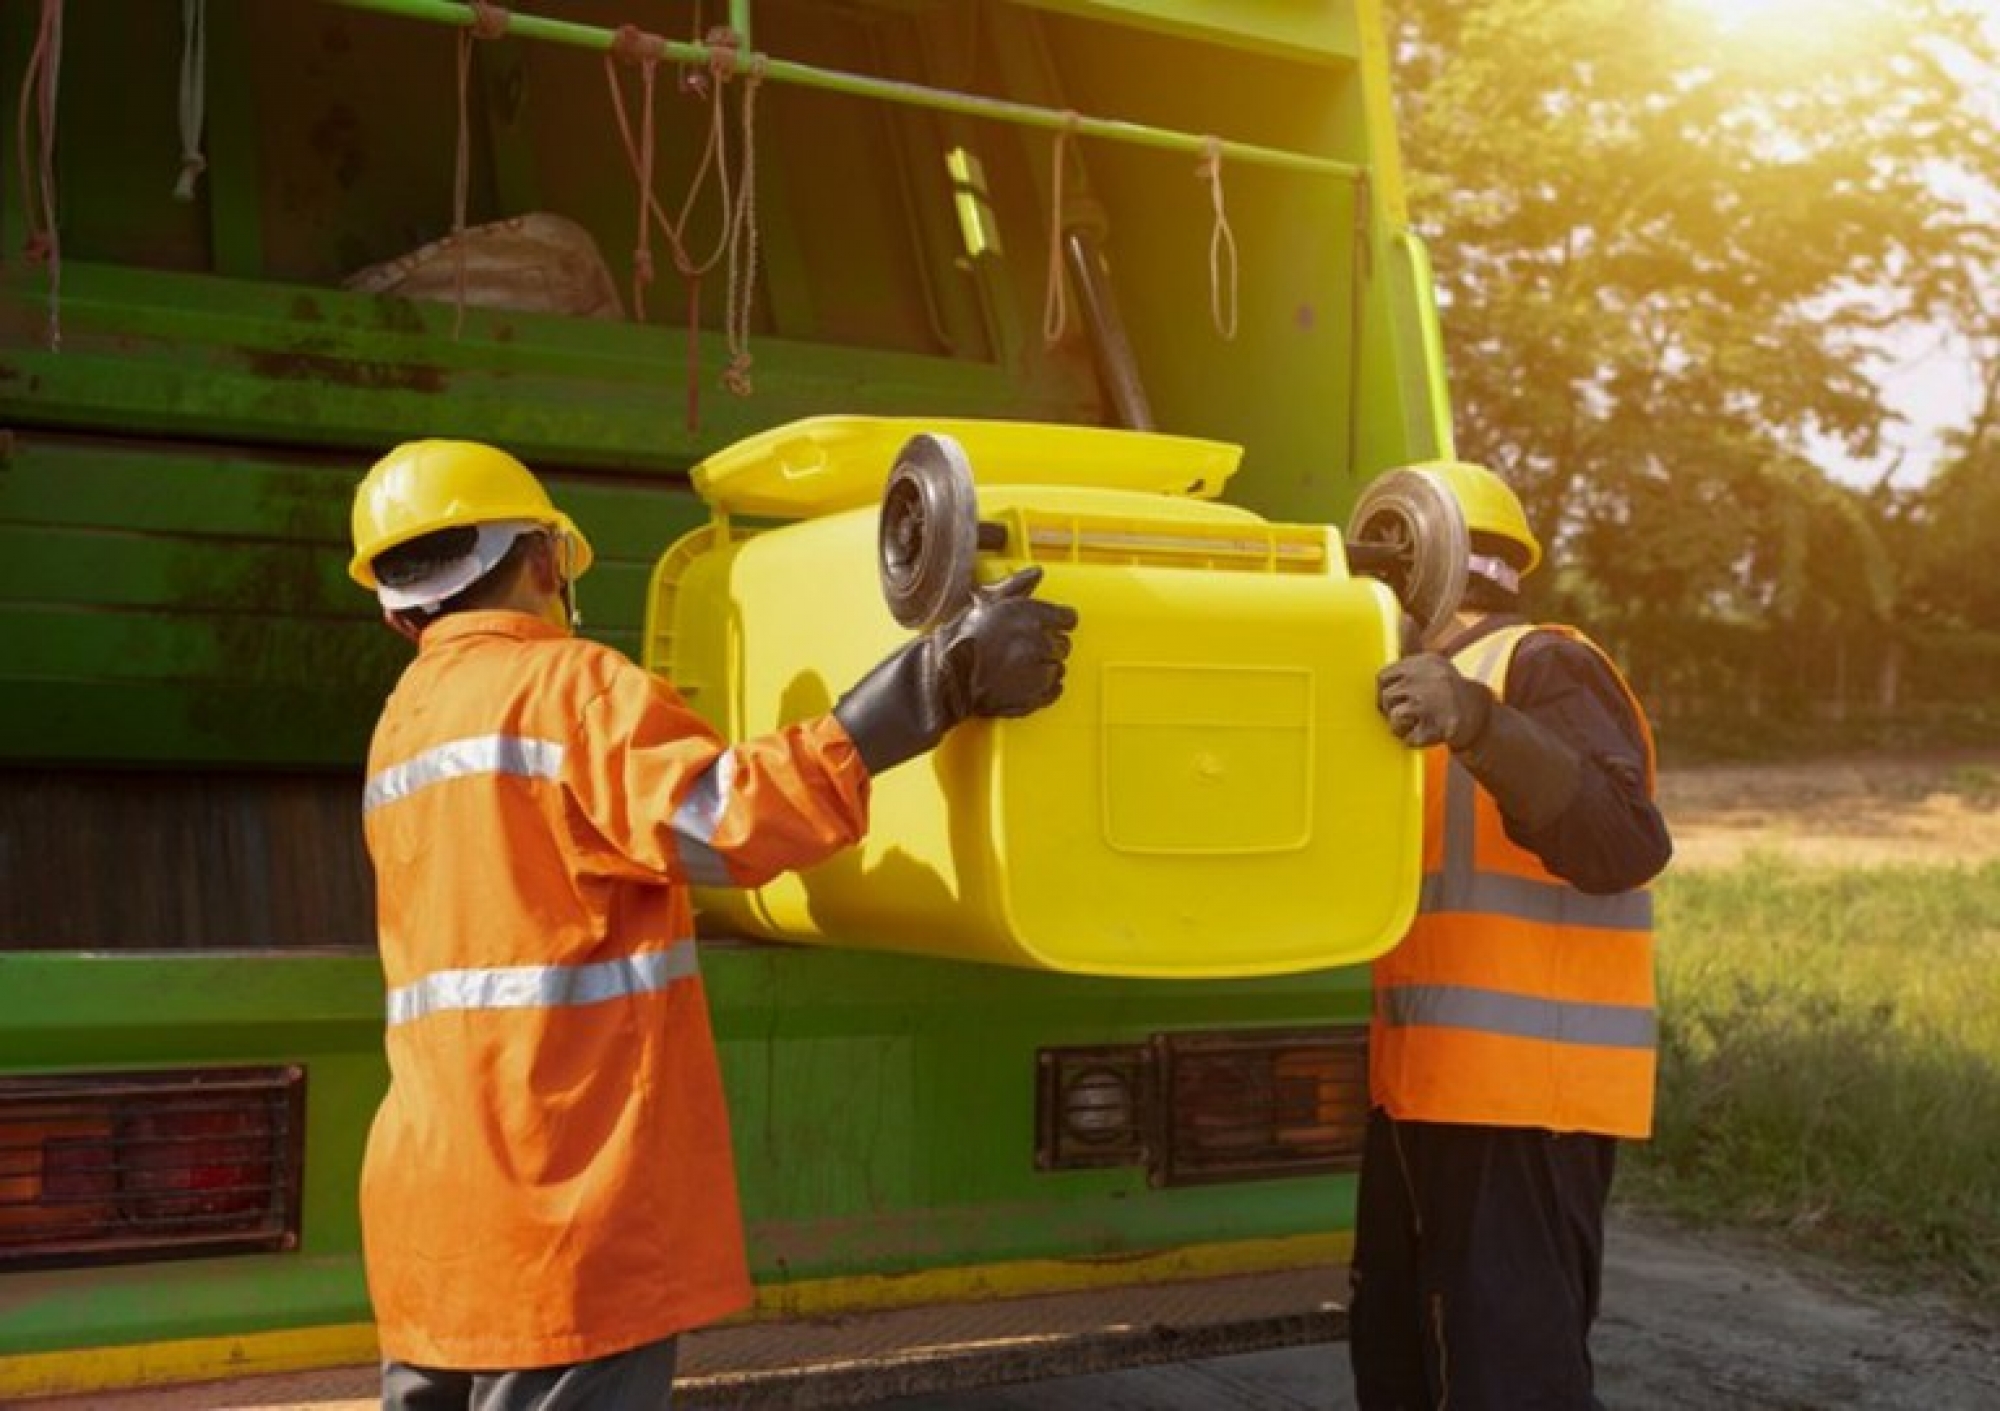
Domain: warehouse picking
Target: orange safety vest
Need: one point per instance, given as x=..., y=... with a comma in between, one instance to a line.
x=549, y=1178
x=1516, y=1000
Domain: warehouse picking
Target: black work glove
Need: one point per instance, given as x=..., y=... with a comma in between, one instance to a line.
x=1427, y=702
x=1000, y=655
x=1530, y=772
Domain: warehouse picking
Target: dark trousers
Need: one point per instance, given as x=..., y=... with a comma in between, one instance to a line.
x=1478, y=1255
x=639, y=1380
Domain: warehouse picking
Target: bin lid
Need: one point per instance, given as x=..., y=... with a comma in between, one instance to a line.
x=826, y=464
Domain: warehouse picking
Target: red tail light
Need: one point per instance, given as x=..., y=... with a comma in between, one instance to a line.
x=135, y=1166
x=1267, y=1103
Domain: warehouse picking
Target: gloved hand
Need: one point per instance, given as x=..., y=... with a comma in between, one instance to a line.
x=1530, y=772
x=1001, y=655
x=1427, y=702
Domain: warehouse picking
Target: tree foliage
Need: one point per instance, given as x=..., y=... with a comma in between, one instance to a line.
x=1672, y=249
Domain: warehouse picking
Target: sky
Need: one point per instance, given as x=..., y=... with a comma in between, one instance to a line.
x=1934, y=384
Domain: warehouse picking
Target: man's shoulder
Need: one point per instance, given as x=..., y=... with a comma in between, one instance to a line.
x=1553, y=656
x=589, y=662
x=1560, y=641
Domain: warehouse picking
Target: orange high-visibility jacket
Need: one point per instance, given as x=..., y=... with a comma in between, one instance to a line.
x=1516, y=1000
x=549, y=1178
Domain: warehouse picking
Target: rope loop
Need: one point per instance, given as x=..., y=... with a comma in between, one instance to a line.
x=1055, y=312
x=489, y=19
x=1221, y=244
x=742, y=244
x=725, y=48
x=633, y=45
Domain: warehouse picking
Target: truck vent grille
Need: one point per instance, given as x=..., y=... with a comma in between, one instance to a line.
x=128, y=1167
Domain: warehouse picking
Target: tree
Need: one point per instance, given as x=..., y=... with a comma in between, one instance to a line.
x=1668, y=251
x=1954, y=524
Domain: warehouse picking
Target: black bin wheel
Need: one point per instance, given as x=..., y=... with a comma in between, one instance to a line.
x=929, y=532
x=1408, y=530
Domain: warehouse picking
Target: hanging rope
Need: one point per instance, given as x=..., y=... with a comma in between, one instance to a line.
x=714, y=157
x=743, y=246
x=736, y=239
x=194, y=93
x=488, y=21
x=38, y=159
x=706, y=81
x=693, y=82
x=633, y=45
x=1055, y=312
x=1221, y=244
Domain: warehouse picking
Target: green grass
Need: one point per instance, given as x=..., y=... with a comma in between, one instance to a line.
x=1830, y=1062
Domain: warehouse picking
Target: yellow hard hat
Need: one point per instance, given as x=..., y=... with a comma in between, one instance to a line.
x=1489, y=506
x=422, y=487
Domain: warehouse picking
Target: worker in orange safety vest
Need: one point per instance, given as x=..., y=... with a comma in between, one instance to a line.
x=1513, y=1038
x=548, y=1196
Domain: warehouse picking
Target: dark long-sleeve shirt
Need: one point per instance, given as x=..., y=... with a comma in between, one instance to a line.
x=1612, y=836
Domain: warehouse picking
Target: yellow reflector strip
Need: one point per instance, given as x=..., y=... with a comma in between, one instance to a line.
x=815, y=1298
x=154, y=1364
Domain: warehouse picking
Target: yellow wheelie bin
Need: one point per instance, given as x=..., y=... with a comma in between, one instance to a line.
x=1215, y=793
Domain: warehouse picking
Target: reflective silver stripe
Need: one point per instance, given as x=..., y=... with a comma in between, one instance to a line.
x=543, y=986
x=1527, y=899
x=1461, y=826
x=695, y=821
x=1461, y=887
x=456, y=759
x=1517, y=1016
x=1486, y=658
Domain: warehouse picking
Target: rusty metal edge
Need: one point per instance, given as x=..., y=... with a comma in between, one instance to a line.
x=814, y=1387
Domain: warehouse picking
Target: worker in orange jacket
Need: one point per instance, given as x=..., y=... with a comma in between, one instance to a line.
x=1513, y=1038
x=548, y=1197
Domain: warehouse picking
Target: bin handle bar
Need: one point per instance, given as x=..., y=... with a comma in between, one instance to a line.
x=582, y=36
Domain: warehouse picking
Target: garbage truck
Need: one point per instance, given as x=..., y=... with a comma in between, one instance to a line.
x=810, y=313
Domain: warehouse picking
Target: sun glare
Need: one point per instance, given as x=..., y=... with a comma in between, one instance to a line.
x=1786, y=36
x=1733, y=16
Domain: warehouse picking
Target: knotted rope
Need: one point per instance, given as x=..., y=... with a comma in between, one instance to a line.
x=194, y=93
x=1055, y=312
x=38, y=158
x=736, y=237
x=743, y=246
x=487, y=21
x=1221, y=243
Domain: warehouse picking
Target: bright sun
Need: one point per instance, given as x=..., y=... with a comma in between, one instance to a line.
x=1732, y=15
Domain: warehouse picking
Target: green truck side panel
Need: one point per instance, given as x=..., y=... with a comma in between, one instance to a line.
x=198, y=355
x=169, y=602
x=847, y=1068
x=845, y=1073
